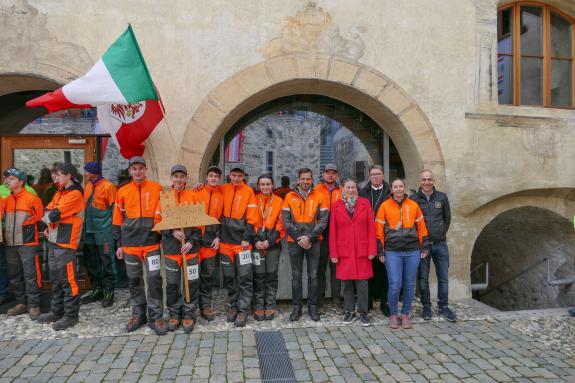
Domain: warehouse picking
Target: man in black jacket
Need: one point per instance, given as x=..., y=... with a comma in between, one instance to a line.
x=377, y=191
x=435, y=207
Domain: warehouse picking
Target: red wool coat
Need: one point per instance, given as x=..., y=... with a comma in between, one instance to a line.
x=351, y=241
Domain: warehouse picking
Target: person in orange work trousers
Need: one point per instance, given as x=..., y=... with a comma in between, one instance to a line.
x=175, y=243
x=22, y=212
x=239, y=219
x=268, y=248
x=136, y=211
x=213, y=200
x=64, y=216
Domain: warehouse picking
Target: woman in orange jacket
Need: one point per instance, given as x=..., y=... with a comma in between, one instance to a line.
x=402, y=242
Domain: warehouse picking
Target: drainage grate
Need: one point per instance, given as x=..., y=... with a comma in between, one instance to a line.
x=275, y=365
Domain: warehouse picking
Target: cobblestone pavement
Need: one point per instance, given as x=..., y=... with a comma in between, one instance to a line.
x=479, y=348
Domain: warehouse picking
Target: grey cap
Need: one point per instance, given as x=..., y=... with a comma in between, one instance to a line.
x=330, y=167
x=137, y=160
x=179, y=168
x=238, y=168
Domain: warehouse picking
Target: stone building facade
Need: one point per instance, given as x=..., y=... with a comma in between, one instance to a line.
x=425, y=73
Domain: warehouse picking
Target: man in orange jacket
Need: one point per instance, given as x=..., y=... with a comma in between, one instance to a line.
x=213, y=200
x=238, y=221
x=99, y=197
x=64, y=216
x=304, y=216
x=22, y=212
x=136, y=211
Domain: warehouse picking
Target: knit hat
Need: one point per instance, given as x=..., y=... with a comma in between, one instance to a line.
x=93, y=167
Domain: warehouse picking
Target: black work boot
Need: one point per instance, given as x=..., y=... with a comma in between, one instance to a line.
x=64, y=323
x=313, y=313
x=93, y=295
x=107, y=298
x=295, y=314
x=241, y=320
x=49, y=317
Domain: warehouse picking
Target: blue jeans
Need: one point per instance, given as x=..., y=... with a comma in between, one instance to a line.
x=401, y=271
x=3, y=272
x=440, y=256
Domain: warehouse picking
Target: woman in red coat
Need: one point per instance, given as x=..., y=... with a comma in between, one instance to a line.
x=352, y=246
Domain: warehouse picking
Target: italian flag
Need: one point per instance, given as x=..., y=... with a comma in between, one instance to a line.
x=121, y=87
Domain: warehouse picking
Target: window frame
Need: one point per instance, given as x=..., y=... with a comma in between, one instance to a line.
x=546, y=11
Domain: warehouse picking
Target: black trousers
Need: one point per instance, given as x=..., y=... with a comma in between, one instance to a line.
x=266, y=278
x=176, y=301
x=65, y=291
x=99, y=261
x=324, y=264
x=238, y=282
x=155, y=301
x=24, y=274
x=349, y=289
x=297, y=255
x=207, y=268
x=378, y=285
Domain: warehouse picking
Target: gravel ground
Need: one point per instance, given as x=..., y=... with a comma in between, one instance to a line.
x=557, y=332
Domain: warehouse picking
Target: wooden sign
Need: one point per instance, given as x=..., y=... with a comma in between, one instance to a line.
x=185, y=214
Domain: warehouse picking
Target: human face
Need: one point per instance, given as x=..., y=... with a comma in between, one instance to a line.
x=138, y=172
x=398, y=190
x=305, y=181
x=14, y=183
x=376, y=177
x=237, y=178
x=213, y=179
x=426, y=182
x=350, y=189
x=329, y=177
x=266, y=186
x=90, y=177
x=63, y=179
x=179, y=180
x=54, y=176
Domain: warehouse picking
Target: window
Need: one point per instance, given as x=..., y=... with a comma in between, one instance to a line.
x=535, y=56
x=269, y=164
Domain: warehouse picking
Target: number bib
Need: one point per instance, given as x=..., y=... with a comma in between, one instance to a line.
x=193, y=272
x=245, y=257
x=257, y=258
x=154, y=262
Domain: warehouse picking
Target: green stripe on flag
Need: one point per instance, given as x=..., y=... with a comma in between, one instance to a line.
x=128, y=69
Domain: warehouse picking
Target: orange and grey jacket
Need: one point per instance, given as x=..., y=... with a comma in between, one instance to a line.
x=269, y=226
x=214, y=205
x=240, y=214
x=305, y=215
x=170, y=245
x=331, y=196
x=99, y=198
x=68, y=230
x=136, y=211
x=22, y=214
x=400, y=226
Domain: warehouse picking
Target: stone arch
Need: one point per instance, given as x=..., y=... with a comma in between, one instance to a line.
x=348, y=81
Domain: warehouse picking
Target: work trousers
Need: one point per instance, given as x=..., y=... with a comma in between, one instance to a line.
x=136, y=259
x=99, y=260
x=65, y=291
x=208, y=266
x=24, y=274
x=297, y=254
x=238, y=282
x=324, y=264
x=266, y=277
x=176, y=301
x=349, y=289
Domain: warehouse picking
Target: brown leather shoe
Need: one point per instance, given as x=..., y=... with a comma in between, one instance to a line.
x=232, y=314
x=20, y=308
x=269, y=314
x=208, y=314
x=188, y=325
x=135, y=323
x=259, y=315
x=394, y=322
x=34, y=312
x=405, y=322
x=173, y=324
x=159, y=326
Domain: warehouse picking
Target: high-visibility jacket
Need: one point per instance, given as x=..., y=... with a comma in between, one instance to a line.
x=331, y=196
x=170, y=245
x=213, y=201
x=269, y=226
x=400, y=226
x=240, y=214
x=70, y=202
x=305, y=215
x=99, y=198
x=136, y=211
x=22, y=213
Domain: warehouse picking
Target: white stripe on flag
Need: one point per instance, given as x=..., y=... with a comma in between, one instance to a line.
x=95, y=88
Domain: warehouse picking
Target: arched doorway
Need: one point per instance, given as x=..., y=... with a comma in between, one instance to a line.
x=531, y=253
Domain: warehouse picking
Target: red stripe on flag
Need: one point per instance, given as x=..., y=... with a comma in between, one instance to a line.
x=54, y=101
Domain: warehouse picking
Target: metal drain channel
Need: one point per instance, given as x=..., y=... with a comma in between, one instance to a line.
x=275, y=365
